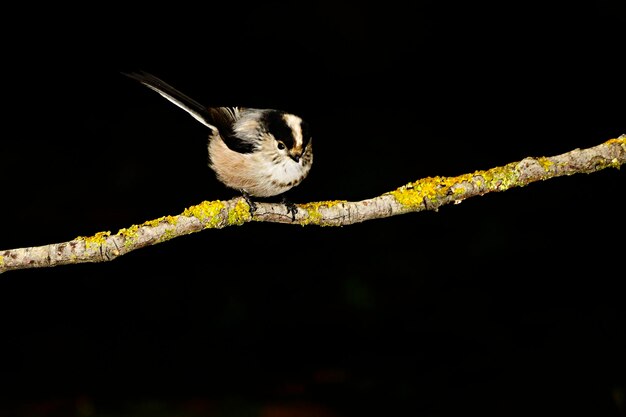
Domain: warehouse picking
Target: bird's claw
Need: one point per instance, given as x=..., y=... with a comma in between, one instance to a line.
x=251, y=203
x=291, y=208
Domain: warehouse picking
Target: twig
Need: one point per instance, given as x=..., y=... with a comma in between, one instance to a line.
x=425, y=194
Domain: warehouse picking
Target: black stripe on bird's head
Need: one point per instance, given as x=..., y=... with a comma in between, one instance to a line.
x=289, y=130
x=276, y=123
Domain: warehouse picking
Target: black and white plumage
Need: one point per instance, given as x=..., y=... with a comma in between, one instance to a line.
x=260, y=152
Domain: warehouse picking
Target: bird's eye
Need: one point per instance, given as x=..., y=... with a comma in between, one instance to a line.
x=281, y=145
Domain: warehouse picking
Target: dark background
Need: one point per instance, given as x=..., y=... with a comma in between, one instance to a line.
x=508, y=304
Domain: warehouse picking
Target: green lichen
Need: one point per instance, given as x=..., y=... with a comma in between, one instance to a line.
x=207, y=212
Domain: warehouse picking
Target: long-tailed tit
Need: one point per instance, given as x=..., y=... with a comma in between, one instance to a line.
x=259, y=152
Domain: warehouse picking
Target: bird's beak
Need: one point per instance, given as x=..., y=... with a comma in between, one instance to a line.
x=296, y=154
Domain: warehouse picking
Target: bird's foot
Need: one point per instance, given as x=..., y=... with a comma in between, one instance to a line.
x=251, y=203
x=291, y=208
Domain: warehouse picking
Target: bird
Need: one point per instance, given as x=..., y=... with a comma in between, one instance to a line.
x=258, y=152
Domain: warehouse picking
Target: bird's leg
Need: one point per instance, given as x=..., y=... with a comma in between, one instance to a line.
x=251, y=203
x=291, y=208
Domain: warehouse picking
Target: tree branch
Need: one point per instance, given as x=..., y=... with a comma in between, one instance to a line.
x=424, y=194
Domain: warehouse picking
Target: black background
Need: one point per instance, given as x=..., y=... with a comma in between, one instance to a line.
x=508, y=304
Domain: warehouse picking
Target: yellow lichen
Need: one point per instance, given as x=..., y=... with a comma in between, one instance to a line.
x=129, y=234
x=96, y=240
x=545, y=163
x=313, y=214
x=1, y=260
x=239, y=214
x=436, y=188
x=621, y=140
x=313, y=211
x=318, y=204
x=615, y=163
x=158, y=221
x=207, y=212
x=408, y=195
x=432, y=188
x=500, y=178
x=167, y=235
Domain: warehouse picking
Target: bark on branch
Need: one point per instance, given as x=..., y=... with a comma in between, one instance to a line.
x=424, y=194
